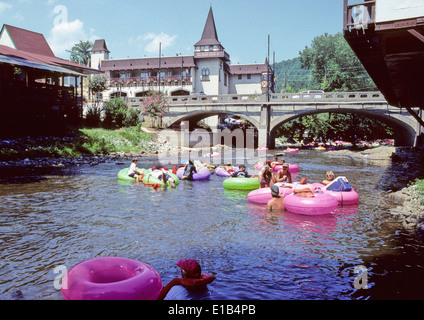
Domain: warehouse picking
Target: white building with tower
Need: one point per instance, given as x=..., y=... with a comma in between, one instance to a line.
x=208, y=71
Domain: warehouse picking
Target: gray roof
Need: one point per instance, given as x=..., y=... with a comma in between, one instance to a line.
x=209, y=36
x=248, y=68
x=148, y=63
x=100, y=45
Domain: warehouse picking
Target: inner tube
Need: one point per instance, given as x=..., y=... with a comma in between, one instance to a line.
x=342, y=197
x=203, y=173
x=123, y=174
x=153, y=177
x=111, y=278
x=213, y=155
x=320, y=203
x=241, y=183
x=263, y=195
x=222, y=172
x=292, y=150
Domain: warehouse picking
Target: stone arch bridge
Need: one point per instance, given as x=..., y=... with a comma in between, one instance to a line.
x=268, y=112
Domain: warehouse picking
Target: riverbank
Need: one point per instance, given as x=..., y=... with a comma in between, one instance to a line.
x=410, y=211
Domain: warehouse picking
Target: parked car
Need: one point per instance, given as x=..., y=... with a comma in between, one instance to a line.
x=316, y=94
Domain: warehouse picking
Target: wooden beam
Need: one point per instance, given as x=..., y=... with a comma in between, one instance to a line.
x=416, y=34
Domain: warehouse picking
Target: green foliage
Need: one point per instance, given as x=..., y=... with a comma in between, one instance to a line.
x=97, y=84
x=291, y=77
x=82, y=142
x=335, y=125
x=93, y=116
x=334, y=65
x=80, y=52
x=118, y=114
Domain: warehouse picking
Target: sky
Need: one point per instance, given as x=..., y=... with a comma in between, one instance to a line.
x=134, y=28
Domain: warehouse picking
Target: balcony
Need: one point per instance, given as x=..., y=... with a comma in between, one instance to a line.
x=151, y=81
x=358, y=16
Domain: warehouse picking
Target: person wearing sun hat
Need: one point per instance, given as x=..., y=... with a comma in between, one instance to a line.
x=284, y=175
x=192, y=285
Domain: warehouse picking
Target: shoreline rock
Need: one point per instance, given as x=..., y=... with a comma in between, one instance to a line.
x=410, y=212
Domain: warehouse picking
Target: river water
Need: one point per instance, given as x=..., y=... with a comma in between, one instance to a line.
x=62, y=217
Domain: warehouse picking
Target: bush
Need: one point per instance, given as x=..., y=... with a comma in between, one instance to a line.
x=93, y=116
x=115, y=113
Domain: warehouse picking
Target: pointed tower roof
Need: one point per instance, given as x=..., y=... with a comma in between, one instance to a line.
x=100, y=45
x=209, y=36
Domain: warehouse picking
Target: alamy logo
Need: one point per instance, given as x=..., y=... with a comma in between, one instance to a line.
x=61, y=270
x=361, y=281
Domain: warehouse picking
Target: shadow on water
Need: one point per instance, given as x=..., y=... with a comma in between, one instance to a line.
x=24, y=175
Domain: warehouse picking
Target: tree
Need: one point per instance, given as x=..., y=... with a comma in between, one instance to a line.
x=155, y=107
x=334, y=65
x=80, y=53
x=97, y=84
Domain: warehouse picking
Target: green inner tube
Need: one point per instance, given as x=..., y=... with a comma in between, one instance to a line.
x=241, y=183
x=123, y=174
x=149, y=178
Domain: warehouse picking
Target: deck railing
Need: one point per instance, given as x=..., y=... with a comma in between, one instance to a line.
x=151, y=81
x=359, y=15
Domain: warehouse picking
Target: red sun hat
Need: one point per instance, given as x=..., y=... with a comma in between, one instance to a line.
x=192, y=267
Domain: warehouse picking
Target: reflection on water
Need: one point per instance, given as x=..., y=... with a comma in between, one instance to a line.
x=67, y=218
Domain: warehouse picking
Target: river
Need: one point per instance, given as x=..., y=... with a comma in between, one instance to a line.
x=61, y=217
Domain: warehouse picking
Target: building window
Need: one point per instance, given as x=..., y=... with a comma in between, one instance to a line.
x=239, y=76
x=205, y=74
x=249, y=76
x=225, y=79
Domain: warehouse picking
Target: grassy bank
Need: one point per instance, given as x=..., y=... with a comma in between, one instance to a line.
x=77, y=143
x=420, y=188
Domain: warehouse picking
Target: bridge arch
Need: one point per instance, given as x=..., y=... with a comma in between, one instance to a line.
x=404, y=127
x=199, y=115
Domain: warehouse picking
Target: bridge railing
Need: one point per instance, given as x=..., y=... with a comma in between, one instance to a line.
x=276, y=98
x=216, y=99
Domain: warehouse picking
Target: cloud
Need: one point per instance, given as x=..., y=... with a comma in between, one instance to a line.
x=4, y=7
x=63, y=36
x=154, y=40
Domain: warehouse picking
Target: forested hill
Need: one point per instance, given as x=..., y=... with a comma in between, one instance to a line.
x=291, y=76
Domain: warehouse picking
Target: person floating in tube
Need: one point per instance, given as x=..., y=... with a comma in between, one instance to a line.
x=133, y=171
x=242, y=173
x=189, y=169
x=192, y=285
x=284, y=175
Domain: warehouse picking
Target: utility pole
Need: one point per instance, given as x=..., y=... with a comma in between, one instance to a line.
x=160, y=55
x=267, y=75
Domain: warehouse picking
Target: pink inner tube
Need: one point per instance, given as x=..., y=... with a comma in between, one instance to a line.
x=224, y=173
x=321, y=203
x=263, y=195
x=111, y=278
x=342, y=197
x=292, y=150
x=203, y=173
x=213, y=155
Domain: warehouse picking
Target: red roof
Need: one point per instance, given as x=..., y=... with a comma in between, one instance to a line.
x=33, y=47
x=28, y=41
